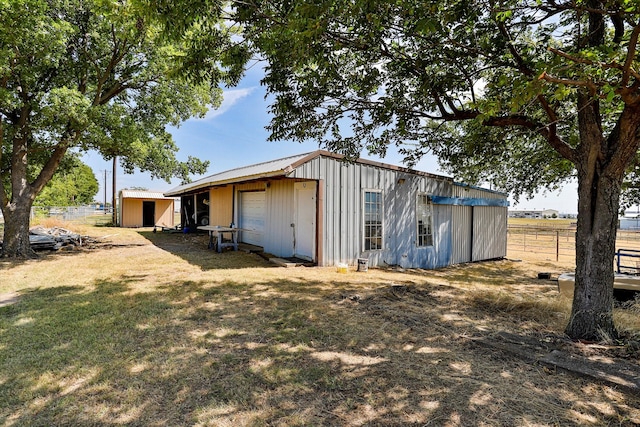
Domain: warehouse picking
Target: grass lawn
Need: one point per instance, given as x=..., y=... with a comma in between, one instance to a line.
x=152, y=329
x=543, y=222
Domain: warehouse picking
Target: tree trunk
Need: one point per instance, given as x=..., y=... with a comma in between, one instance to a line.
x=16, y=229
x=601, y=164
x=592, y=311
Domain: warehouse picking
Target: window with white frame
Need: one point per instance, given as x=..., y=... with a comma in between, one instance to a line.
x=424, y=220
x=372, y=220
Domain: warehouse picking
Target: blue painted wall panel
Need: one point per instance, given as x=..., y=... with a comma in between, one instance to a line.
x=469, y=201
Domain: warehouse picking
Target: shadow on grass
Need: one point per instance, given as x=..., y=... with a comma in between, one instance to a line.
x=273, y=353
x=192, y=247
x=497, y=273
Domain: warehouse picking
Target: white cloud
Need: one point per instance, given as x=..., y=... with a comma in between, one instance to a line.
x=229, y=99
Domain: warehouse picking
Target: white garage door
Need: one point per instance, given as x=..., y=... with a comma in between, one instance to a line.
x=252, y=217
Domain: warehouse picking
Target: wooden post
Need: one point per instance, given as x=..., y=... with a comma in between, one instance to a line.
x=114, y=214
x=557, y=245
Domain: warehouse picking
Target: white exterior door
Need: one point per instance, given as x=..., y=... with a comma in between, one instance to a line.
x=252, y=215
x=304, y=237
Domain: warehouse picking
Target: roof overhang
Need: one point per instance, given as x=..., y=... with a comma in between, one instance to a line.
x=270, y=169
x=184, y=189
x=139, y=194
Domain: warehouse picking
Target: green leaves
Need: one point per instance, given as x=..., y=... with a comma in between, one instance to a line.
x=609, y=92
x=360, y=74
x=108, y=75
x=64, y=105
x=73, y=185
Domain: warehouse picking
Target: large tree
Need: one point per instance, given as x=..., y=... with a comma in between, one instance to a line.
x=105, y=75
x=73, y=184
x=522, y=93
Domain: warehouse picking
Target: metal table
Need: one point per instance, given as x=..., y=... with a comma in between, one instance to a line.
x=215, y=237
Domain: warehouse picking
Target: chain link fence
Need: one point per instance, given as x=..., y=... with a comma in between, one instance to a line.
x=90, y=214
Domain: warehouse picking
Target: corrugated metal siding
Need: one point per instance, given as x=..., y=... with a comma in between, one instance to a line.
x=164, y=213
x=221, y=206
x=489, y=232
x=342, y=239
x=344, y=188
x=120, y=205
x=371, y=178
x=461, y=190
x=252, y=186
x=131, y=212
x=342, y=206
x=278, y=237
x=461, y=232
x=352, y=183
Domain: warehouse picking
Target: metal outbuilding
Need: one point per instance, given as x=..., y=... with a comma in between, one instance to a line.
x=145, y=209
x=318, y=207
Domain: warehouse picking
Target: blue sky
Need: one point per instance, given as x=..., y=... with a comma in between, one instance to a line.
x=234, y=135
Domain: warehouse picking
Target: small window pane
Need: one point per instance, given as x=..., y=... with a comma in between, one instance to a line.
x=372, y=227
x=424, y=216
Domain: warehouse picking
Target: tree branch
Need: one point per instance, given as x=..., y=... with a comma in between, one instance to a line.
x=624, y=138
x=520, y=63
x=568, y=82
x=554, y=140
x=120, y=49
x=627, y=71
x=626, y=68
x=68, y=138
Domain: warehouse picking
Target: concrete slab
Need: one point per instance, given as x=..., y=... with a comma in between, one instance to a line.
x=282, y=262
x=8, y=299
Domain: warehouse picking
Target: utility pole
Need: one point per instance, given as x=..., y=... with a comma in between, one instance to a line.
x=114, y=216
x=105, y=172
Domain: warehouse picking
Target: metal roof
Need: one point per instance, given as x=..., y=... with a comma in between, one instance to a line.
x=279, y=167
x=137, y=194
x=275, y=168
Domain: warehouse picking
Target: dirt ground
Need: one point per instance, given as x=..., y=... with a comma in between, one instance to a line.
x=228, y=339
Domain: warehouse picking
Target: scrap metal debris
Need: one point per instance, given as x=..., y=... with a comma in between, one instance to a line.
x=54, y=238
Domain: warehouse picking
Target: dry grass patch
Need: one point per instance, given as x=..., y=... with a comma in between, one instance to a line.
x=153, y=329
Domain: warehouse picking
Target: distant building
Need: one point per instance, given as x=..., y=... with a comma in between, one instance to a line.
x=534, y=214
x=630, y=222
x=145, y=209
